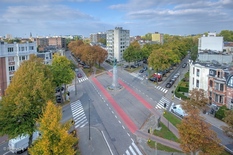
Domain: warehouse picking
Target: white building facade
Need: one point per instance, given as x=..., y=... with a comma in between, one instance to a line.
x=11, y=56
x=118, y=41
x=210, y=43
x=198, y=76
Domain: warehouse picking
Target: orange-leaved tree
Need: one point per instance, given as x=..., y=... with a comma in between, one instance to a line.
x=229, y=120
x=55, y=138
x=196, y=137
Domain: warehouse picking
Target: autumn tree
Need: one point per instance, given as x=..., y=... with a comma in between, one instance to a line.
x=89, y=55
x=28, y=92
x=197, y=100
x=196, y=137
x=55, y=139
x=100, y=54
x=228, y=130
x=76, y=47
x=62, y=71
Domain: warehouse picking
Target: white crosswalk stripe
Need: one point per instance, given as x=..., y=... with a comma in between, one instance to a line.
x=161, y=89
x=79, y=116
x=136, y=75
x=160, y=105
x=80, y=80
x=133, y=150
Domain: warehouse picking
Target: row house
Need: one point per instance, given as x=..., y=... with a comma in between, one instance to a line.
x=215, y=79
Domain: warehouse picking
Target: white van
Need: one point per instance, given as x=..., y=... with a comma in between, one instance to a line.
x=20, y=143
x=177, y=109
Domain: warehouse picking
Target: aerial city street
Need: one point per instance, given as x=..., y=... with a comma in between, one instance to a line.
x=129, y=77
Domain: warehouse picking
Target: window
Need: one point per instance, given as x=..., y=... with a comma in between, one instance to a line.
x=221, y=87
x=11, y=68
x=10, y=78
x=10, y=49
x=216, y=86
x=11, y=59
x=23, y=58
x=218, y=74
x=197, y=83
x=211, y=83
x=193, y=70
x=193, y=81
x=198, y=72
x=230, y=82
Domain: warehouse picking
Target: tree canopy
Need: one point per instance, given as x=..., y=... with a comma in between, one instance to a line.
x=28, y=92
x=197, y=100
x=227, y=35
x=55, y=139
x=229, y=120
x=196, y=137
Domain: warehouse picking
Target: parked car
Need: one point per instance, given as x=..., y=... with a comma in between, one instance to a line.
x=86, y=66
x=133, y=66
x=172, y=80
x=177, y=109
x=168, y=85
x=126, y=66
x=58, y=98
x=79, y=75
x=155, y=79
x=144, y=68
x=141, y=71
x=184, y=65
x=58, y=89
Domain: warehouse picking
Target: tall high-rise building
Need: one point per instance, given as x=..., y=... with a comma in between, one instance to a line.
x=118, y=41
x=11, y=56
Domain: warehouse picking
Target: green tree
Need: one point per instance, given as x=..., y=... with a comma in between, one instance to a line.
x=55, y=139
x=29, y=90
x=62, y=71
x=159, y=59
x=148, y=36
x=196, y=137
x=227, y=35
x=229, y=120
x=102, y=40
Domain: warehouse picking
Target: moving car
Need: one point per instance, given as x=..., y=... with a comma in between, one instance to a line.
x=79, y=75
x=184, y=65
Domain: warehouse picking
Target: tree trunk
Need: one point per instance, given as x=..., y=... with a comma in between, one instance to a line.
x=30, y=142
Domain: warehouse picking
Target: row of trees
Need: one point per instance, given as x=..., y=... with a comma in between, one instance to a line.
x=31, y=88
x=196, y=137
x=87, y=53
x=161, y=57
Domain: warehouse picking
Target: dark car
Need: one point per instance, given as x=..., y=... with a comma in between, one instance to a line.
x=58, y=89
x=141, y=71
x=172, y=81
x=126, y=66
x=86, y=66
x=168, y=85
x=144, y=68
x=184, y=65
x=58, y=99
x=133, y=66
x=79, y=75
x=154, y=79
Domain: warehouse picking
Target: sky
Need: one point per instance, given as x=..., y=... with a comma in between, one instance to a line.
x=83, y=17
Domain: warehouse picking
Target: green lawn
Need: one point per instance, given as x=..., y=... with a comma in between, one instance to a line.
x=172, y=119
x=162, y=147
x=165, y=133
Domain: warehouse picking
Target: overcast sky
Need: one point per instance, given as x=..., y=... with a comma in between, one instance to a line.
x=83, y=17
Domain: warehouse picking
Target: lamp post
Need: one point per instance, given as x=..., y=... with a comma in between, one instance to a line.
x=89, y=121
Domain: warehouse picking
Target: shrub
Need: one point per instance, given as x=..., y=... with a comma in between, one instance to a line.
x=220, y=114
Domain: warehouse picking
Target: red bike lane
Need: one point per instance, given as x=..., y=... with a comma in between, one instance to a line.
x=129, y=123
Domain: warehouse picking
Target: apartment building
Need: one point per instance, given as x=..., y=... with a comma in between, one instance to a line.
x=11, y=56
x=211, y=42
x=118, y=41
x=96, y=37
x=59, y=42
x=157, y=37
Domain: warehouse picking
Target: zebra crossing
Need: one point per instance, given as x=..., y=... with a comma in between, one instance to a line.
x=161, y=103
x=80, y=80
x=79, y=116
x=136, y=75
x=133, y=149
x=161, y=89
